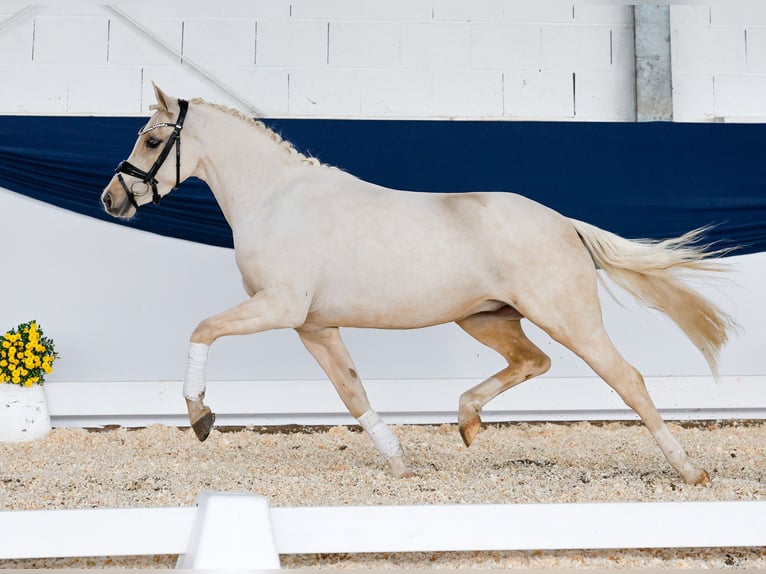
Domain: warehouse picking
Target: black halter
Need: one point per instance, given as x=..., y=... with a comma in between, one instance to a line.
x=147, y=177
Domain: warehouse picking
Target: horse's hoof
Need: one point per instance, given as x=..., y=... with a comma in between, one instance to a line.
x=399, y=468
x=204, y=424
x=702, y=479
x=469, y=429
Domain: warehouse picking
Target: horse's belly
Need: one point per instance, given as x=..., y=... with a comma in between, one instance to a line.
x=400, y=309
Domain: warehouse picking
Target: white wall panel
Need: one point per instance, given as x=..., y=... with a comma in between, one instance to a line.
x=693, y=98
x=334, y=92
x=503, y=11
x=16, y=41
x=602, y=96
x=737, y=13
x=468, y=93
x=542, y=95
x=41, y=88
x=396, y=40
x=398, y=93
x=576, y=49
x=418, y=49
x=292, y=44
x=364, y=44
x=506, y=47
x=436, y=46
x=707, y=49
x=224, y=42
x=613, y=14
x=71, y=40
x=756, y=50
x=128, y=46
x=740, y=97
x=375, y=10
x=719, y=60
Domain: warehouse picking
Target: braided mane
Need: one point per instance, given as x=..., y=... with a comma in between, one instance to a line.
x=275, y=137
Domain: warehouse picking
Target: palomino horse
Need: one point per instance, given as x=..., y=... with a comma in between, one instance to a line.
x=319, y=249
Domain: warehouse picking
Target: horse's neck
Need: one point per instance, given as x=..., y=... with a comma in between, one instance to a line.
x=238, y=160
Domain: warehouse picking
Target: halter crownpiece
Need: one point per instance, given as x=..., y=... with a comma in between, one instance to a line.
x=147, y=177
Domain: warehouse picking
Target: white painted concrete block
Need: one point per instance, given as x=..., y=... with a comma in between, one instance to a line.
x=328, y=92
x=623, y=54
x=693, y=98
x=102, y=90
x=604, y=96
x=538, y=95
x=689, y=15
x=572, y=49
x=291, y=43
x=544, y=12
x=506, y=47
x=752, y=13
x=77, y=90
x=128, y=45
x=372, y=10
x=436, y=46
x=74, y=9
x=70, y=40
x=16, y=41
x=398, y=94
x=502, y=11
x=183, y=82
x=700, y=50
x=740, y=97
x=249, y=9
x=616, y=14
x=264, y=88
x=32, y=90
x=756, y=50
x=468, y=93
x=364, y=44
x=211, y=42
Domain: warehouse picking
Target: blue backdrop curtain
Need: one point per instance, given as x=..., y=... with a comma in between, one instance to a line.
x=637, y=179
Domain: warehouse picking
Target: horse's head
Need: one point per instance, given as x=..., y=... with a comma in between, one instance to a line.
x=155, y=167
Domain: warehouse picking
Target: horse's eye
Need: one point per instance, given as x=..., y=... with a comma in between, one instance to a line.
x=152, y=142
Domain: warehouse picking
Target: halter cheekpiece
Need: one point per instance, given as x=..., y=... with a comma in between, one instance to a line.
x=148, y=177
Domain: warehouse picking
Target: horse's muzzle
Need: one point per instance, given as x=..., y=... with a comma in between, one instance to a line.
x=114, y=207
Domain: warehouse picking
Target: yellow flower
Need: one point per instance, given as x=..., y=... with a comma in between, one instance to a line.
x=16, y=380
x=5, y=344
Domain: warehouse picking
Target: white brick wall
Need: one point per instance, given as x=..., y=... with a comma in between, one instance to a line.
x=719, y=61
x=493, y=59
x=326, y=58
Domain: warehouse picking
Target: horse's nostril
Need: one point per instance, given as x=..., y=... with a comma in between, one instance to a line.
x=107, y=200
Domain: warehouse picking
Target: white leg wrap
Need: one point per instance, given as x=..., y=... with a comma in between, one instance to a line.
x=382, y=436
x=194, y=381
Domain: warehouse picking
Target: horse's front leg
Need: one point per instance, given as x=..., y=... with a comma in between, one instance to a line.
x=264, y=311
x=327, y=347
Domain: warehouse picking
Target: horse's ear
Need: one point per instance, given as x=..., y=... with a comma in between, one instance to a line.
x=163, y=100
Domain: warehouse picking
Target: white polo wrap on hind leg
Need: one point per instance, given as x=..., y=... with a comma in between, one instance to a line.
x=194, y=381
x=382, y=436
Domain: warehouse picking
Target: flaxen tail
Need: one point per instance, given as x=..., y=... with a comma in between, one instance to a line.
x=649, y=270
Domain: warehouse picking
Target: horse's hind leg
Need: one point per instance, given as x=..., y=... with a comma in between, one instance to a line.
x=607, y=362
x=501, y=330
x=577, y=324
x=327, y=347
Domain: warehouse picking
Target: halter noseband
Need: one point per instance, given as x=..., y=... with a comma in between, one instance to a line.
x=147, y=177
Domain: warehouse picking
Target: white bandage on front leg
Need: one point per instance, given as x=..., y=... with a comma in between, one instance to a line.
x=194, y=381
x=382, y=436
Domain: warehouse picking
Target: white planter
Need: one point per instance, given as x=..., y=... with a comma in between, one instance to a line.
x=24, y=413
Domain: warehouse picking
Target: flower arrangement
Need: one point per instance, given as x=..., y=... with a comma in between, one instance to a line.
x=26, y=355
